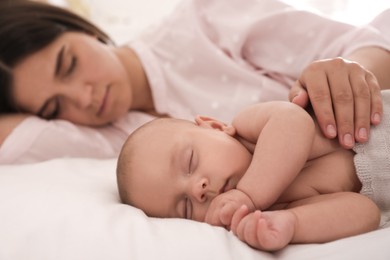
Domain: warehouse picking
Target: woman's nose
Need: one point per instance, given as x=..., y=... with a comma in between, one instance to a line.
x=200, y=189
x=80, y=95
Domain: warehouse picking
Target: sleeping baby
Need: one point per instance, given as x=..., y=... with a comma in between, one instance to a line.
x=270, y=177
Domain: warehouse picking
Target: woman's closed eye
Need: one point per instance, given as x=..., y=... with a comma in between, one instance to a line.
x=66, y=62
x=56, y=110
x=72, y=66
x=51, y=109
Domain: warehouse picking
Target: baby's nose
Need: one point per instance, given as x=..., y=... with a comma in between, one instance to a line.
x=200, y=190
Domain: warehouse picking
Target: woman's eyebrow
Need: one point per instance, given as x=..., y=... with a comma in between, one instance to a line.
x=60, y=57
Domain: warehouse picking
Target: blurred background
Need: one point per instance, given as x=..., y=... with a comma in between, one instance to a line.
x=124, y=19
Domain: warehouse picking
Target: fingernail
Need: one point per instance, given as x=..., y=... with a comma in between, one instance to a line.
x=348, y=140
x=331, y=130
x=363, y=133
x=376, y=118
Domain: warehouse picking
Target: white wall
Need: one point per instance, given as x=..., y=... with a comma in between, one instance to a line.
x=123, y=19
x=351, y=11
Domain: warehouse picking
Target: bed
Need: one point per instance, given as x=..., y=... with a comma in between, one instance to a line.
x=69, y=209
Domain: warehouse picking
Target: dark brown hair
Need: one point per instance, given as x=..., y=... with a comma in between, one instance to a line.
x=27, y=27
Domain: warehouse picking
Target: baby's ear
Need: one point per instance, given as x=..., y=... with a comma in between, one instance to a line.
x=208, y=122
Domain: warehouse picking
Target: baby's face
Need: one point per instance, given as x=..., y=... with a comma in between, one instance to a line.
x=183, y=168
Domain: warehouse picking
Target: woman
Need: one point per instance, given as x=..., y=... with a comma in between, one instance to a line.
x=208, y=57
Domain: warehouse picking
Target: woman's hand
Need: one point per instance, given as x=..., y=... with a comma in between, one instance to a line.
x=222, y=207
x=345, y=98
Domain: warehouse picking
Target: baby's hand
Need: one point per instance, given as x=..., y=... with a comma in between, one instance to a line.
x=222, y=208
x=270, y=230
x=345, y=98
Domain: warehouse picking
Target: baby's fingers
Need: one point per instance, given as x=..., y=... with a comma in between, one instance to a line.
x=247, y=229
x=226, y=214
x=237, y=217
x=212, y=215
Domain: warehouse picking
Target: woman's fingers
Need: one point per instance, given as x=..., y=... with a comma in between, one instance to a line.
x=376, y=99
x=316, y=82
x=344, y=96
x=343, y=100
x=298, y=95
x=362, y=105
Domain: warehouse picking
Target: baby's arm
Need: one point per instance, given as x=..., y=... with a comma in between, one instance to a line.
x=280, y=136
x=283, y=134
x=318, y=219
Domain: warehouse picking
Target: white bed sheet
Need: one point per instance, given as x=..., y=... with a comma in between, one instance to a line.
x=69, y=209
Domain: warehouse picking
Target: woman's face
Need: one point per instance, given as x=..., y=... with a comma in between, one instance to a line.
x=76, y=78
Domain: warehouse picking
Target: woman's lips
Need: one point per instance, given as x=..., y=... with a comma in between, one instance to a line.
x=104, y=102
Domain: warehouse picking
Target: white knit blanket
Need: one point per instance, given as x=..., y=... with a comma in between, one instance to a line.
x=372, y=162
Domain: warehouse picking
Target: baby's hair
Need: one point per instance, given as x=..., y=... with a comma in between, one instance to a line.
x=127, y=156
x=125, y=160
